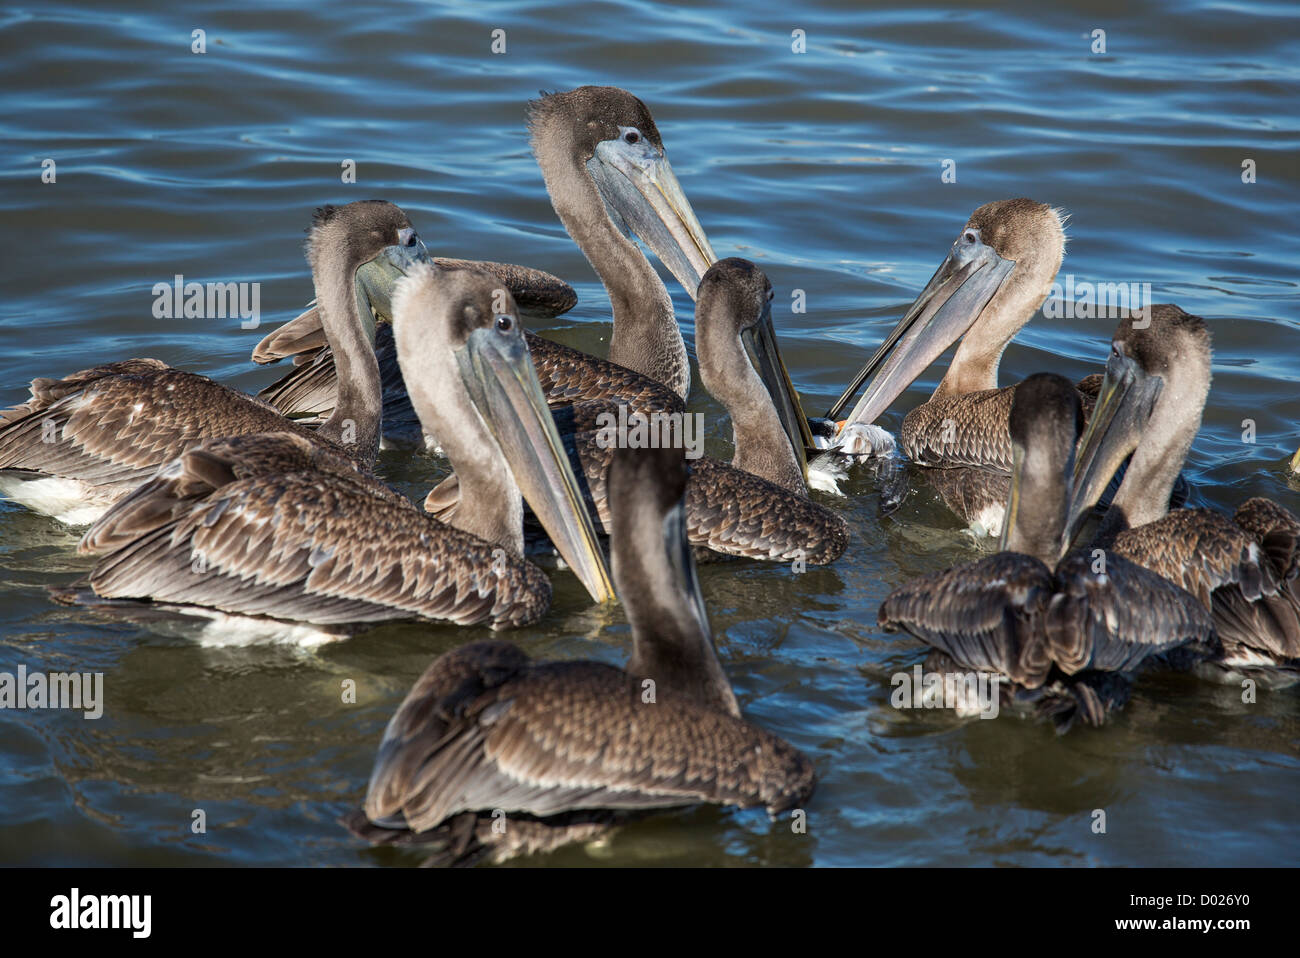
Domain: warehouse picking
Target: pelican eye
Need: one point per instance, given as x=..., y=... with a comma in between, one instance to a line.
x=632, y=136
x=505, y=323
x=970, y=236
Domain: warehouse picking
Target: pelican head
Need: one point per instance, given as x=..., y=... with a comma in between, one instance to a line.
x=654, y=567
x=1046, y=420
x=736, y=342
x=996, y=274
x=468, y=370
x=363, y=233
x=610, y=137
x=1150, y=404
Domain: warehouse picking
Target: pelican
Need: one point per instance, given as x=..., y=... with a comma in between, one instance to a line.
x=1243, y=569
x=276, y=526
x=1061, y=632
x=81, y=443
x=609, y=179
x=567, y=750
x=733, y=317
x=996, y=275
x=757, y=506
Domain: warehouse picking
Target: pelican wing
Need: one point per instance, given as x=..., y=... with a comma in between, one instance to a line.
x=115, y=424
x=985, y=615
x=226, y=527
x=1112, y=620
x=484, y=730
x=971, y=429
x=308, y=392
x=568, y=375
x=1200, y=550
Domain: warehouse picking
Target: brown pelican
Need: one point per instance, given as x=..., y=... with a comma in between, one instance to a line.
x=609, y=180
x=733, y=316
x=83, y=442
x=763, y=514
x=275, y=526
x=493, y=755
x=1062, y=634
x=997, y=273
x=1243, y=569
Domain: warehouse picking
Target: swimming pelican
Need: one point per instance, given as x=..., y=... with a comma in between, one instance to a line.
x=609, y=179
x=566, y=750
x=83, y=442
x=996, y=275
x=761, y=514
x=1243, y=569
x=1061, y=634
x=276, y=526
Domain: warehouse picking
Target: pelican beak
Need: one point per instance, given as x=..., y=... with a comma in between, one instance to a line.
x=497, y=370
x=643, y=198
x=677, y=544
x=764, y=354
x=1013, y=500
x=1128, y=396
x=1295, y=461
x=948, y=306
x=376, y=279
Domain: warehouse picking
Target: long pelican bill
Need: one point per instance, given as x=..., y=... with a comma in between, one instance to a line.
x=681, y=557
x=1124, y=404
x=643, y=197
x=1013, y=500
x=948, y=306
x=497, y=370
x=376, y=279
x=760, y=342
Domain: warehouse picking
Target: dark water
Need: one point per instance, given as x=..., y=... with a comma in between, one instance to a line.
x=824, y=167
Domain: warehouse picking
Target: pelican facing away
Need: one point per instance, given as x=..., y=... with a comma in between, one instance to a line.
x=730, y=510
x=83, y=442
x=1243, y=569
x=271, y=525
x=567, y=750
x=1058, y=634
x=609, y=180
x=997, y=274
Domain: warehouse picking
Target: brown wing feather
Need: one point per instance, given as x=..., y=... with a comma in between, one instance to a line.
x=1114, y=620
x=985, y=615
x=971, y=429
x=484, y=729
x=117, y=424
x=568, y=375
x=315, y=545
x=309, y=391
x=1200, y=550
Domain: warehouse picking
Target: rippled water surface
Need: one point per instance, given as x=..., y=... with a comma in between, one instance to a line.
x=824, y=167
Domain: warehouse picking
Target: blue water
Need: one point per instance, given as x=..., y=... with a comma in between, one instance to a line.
x=825, y=168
